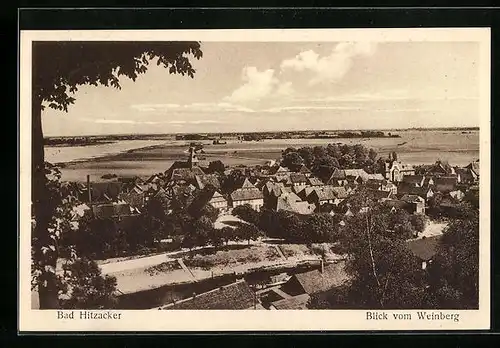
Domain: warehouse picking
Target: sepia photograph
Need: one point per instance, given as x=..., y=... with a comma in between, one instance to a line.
x=324, y=171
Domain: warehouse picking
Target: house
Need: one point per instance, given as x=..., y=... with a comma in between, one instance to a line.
x=445, y=184
x=376, y=176
x=201, y=181
x=358, y=176
x=298, y=302
x=379, y=195
x=382, y=185
x=395, y=170
x=465, y=176
x=441, y=168
x=185, y=172
x=312, y=282
x=280, y=173
x=237, y=295
x=291, y=202
x=306, y=171
x=247, y=194
x=337, y=178
x=136, y=197
x=416, y=204
x=209, y=196
x=100, y=192
x=314, y=181
x=327, y=194
x=298, y=180
x=424, y=249
x=425, y=192
x=414, y=180
x=395, y=204
x=474, y=168
x=111, y=210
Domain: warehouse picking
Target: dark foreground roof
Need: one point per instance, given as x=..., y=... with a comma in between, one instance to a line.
x=295, y=302
x=334, y=275
x=424, y=248
x=237, y=295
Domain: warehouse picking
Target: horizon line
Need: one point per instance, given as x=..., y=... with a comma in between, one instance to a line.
x=272, y=131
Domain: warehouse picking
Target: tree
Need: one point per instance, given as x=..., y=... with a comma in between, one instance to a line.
x=86, y=288
x=372, y=154
x=246, y=213
x=455, y=270
x=247, y=232
x=384, y=272
x=320, y=228
x=216, y=167
x=59, y=68
x=293, y=161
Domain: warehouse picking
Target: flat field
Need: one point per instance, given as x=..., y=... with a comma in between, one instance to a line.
x=413, y=147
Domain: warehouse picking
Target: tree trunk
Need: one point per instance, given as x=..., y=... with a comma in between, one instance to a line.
x=46, y=285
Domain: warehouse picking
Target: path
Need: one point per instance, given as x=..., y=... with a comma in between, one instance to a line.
x=186, y=269
x=280, y=252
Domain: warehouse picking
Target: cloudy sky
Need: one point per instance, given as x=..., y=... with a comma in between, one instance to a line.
x=288, y=86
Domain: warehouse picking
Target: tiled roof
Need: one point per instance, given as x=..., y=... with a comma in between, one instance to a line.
x=110, y=210
x=247, y=184
x=379, y=194
x=295, y=302
x=186, y=174
x=405, y=188
x=395, y=203
x=412, y=199
x=233, y=296
x=304, y=170
x=338, y=174
x=334, y=275
x=424, y=248
x=475, y=167
x=413, y=179
x=245, y=194
x=328, y=192
x=313, y=181
x=105, y=191
x=357, y=173
x=444, y=184
x=207, y=179
x=299, y=207
x=298, y=178
x=377, y=176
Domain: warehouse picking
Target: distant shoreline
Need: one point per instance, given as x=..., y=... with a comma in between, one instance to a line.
x=171, y=136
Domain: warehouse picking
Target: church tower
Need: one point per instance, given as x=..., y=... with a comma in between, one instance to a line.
x=192, y=160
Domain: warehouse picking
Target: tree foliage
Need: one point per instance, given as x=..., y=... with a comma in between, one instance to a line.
x=84, y=286
x=322, y=160
x=247, y=213
x=59, y=68
x=455, y=270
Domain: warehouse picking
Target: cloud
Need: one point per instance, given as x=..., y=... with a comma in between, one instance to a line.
x=259, y=85
x=193, y=107
x=332, y=67
x=307, y=108
x=154, y=107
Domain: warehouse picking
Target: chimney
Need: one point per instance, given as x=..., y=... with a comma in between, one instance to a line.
x=89, y=191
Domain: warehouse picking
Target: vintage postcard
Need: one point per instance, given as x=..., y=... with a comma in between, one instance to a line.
x=201, y=180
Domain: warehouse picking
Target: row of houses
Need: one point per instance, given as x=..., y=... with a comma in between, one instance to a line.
x=277, y=187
